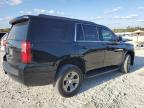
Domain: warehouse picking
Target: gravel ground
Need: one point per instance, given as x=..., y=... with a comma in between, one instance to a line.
x=113, y=90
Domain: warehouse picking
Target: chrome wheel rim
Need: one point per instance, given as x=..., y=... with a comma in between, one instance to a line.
x=71, y=81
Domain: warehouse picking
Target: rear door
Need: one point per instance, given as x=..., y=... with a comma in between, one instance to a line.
x=113, y=49
x=90, y=47
x=16, y=36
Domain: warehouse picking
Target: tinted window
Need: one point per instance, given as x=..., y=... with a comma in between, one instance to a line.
x=80, y=35
x=44, y=30
x=1, y=35
x=105, y=34
x=90, y=33
x=18, y=31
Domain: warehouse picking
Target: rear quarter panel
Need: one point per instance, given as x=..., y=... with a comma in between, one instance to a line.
x=50, y=52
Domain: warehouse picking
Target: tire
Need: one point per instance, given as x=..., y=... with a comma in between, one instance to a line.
x=125, y=67
x=69, y=80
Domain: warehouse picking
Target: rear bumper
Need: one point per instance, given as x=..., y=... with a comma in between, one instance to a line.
x=30, y=75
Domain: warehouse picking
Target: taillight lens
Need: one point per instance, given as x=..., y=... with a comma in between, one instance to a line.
x=26, y=52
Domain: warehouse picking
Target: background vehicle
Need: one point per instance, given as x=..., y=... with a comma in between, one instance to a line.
x=1, y=35
x=140, y=44
x=48, y=49
x=3, y=42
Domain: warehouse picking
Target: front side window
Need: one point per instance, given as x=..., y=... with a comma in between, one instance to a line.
x=105, y=34
x=90, y=33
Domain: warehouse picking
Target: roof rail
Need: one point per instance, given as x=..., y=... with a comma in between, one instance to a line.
x=61, y=17
x=52, y=16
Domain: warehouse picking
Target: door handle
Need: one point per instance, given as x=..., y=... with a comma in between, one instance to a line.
x=108, y=47
x=84, y=47
x=113, y=43
x=118, y=50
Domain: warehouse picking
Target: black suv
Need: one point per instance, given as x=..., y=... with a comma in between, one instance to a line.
x=47, y=49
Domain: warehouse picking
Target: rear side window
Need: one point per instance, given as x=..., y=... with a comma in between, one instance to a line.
x=86, y=32
x=51, y=30
x=18, y=31
x=90, y=33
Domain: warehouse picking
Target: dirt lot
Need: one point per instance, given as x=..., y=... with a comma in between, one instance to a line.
x=113, y=90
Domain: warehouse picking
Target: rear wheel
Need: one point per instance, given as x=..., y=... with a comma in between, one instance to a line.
x=125, y=67
x=69, y=80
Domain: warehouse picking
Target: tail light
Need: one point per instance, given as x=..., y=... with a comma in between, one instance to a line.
x=26, y=52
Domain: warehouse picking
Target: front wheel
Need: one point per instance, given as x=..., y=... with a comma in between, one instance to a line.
x=126, y=65
x=69, y=80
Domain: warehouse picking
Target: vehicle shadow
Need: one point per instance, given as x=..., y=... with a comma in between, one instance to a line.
x=97, y=80
x=138, y=64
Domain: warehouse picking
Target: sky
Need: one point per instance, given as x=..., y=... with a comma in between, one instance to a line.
x=112, y=13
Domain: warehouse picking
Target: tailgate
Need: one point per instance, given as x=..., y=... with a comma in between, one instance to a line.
x=16, y=36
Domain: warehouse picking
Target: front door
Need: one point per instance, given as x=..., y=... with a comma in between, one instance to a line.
x=113, y=49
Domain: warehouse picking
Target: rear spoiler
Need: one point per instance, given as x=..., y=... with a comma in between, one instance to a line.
x=20, y=19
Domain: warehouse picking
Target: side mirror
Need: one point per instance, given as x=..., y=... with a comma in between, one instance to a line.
x=120, y=38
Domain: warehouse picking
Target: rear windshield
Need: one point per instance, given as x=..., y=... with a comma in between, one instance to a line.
x=18, y=31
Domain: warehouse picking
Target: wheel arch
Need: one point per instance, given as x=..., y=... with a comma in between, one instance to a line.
x=74, y=61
